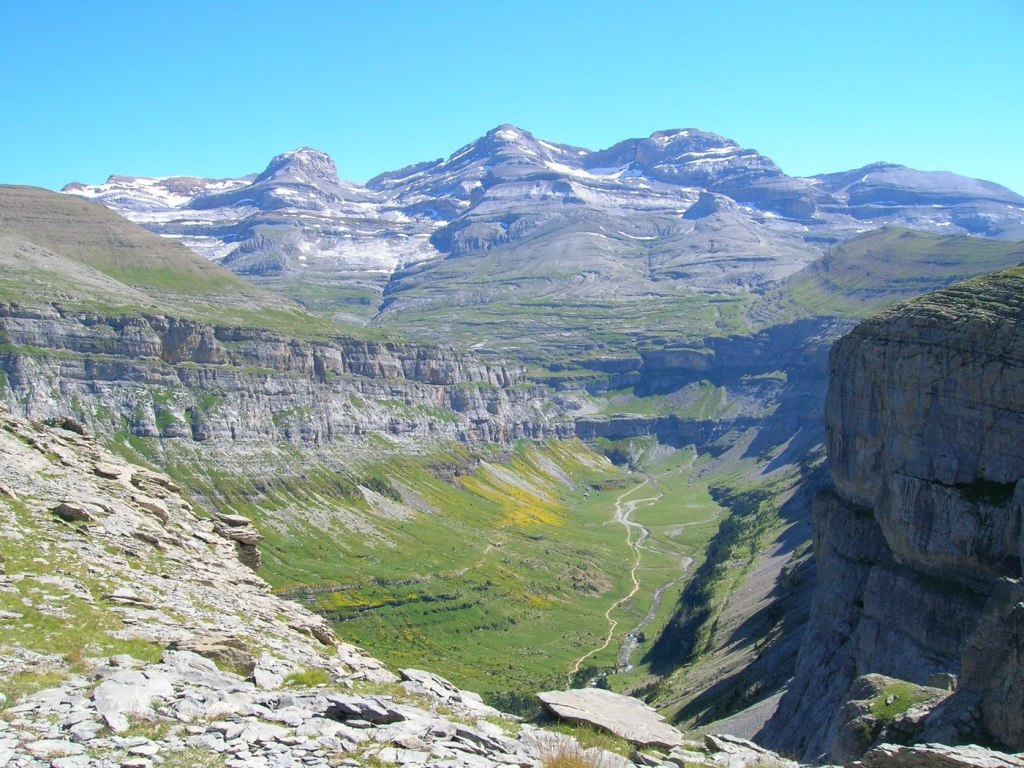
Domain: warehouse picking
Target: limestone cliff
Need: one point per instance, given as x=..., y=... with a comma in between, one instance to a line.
x=157, y=375
x=919, y=541
x=131, y=333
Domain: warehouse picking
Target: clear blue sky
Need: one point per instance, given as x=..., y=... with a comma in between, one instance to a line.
x=217, y=88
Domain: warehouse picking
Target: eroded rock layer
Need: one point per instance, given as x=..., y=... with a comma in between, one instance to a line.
x=169, y=377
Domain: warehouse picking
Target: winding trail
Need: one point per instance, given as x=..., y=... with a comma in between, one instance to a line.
x=623, y=511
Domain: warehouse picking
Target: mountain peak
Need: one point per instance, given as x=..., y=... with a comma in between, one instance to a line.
x=504, y=142
x=508, y=132
x=507, y=137
x=305, y=165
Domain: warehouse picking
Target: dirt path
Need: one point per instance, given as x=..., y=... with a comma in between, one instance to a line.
x=622, y=516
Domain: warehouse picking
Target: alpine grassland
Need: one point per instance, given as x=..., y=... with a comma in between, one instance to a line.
x=875, y=270
x=560, y=337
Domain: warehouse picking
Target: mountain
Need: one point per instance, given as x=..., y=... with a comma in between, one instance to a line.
x=93, y=301
x=511, y=225
x=296, y=220
x=874, y=270
x=57, y=248
x=884, y=190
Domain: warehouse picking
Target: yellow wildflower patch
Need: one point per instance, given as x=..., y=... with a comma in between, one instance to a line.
x=519, y=505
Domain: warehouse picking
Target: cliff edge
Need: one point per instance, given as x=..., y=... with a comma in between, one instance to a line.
x=919, y=540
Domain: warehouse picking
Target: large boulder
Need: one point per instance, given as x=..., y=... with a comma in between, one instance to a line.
x=623, y=716
x=223, y=649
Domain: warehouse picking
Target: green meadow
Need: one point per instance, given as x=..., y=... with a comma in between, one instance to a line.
x=494, y=568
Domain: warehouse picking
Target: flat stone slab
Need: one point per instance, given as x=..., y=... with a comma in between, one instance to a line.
x=371, y=709
x=128, y=692
x=623, y=716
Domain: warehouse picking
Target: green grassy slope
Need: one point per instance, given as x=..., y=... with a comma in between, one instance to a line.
x=562, y=333
x=560, y=321
x=880, y=268
x=60, y=249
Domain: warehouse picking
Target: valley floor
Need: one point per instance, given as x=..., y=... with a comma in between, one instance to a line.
x=584, y=563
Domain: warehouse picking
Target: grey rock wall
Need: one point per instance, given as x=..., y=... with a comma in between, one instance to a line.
x=176, y=378
x=919, y=542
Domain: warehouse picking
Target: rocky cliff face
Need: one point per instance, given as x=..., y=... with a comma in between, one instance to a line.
x=919, y=541
x=169, y=377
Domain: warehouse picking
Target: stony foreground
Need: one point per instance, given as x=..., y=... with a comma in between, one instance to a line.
x=184, y=711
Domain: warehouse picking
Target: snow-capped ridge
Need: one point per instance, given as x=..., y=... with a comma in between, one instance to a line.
x=691, y=190
x=509, y=132
x=692, y=137
x=503, y=140
x=890, y=183
x=508, y=142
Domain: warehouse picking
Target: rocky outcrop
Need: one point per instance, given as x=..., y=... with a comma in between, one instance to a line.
x=161, y=376
x=241, y=531
x=919, y=542
x=420, y=681
x=881, y=710
x=134, y=530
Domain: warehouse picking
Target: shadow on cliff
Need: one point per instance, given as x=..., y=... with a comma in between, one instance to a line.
x=801, y=345
x=797, y=424
x=770, y=639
